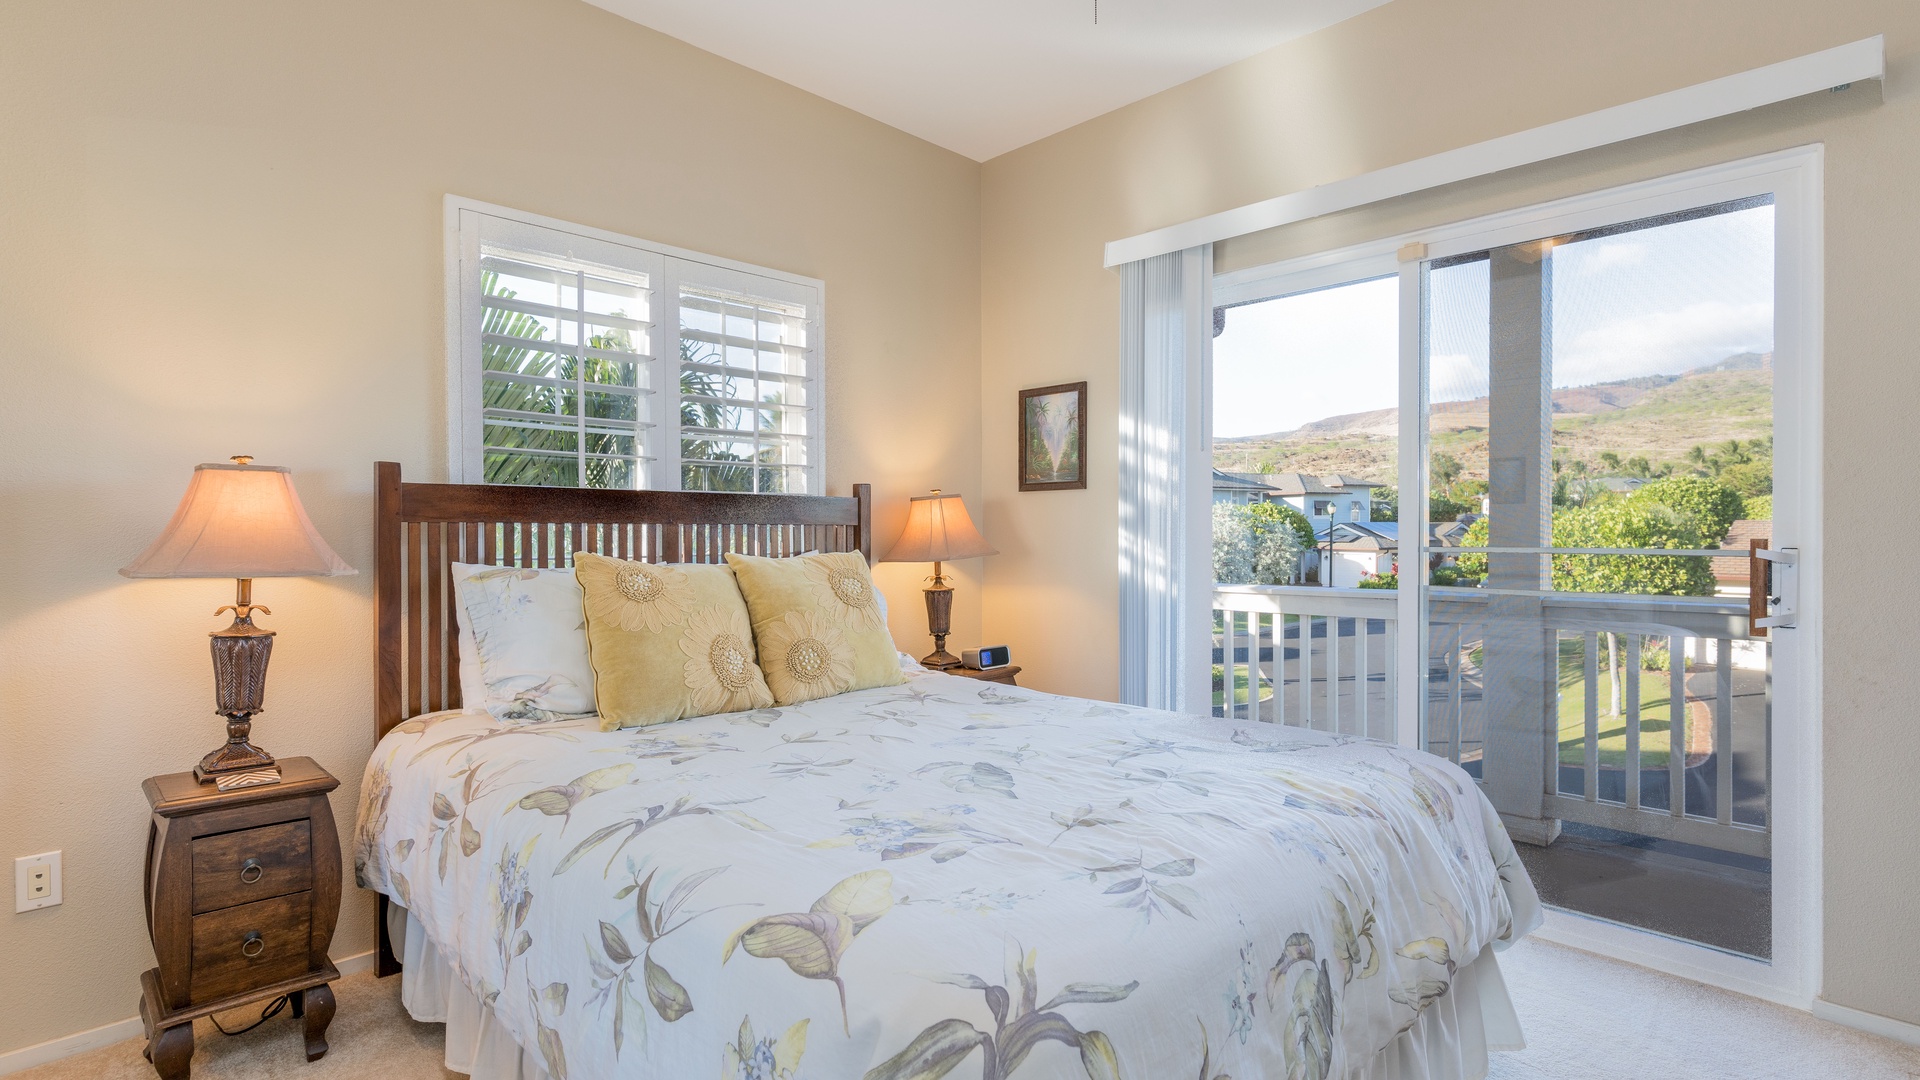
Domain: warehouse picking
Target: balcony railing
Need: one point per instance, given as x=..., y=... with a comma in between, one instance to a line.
x=1326, y=659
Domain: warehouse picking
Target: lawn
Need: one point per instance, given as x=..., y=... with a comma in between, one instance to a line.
x=1239, y=686
x=1655, y=711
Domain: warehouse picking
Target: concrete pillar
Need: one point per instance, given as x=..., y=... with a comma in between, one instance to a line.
x=1519, y=658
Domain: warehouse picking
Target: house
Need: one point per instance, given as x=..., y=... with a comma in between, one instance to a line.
x=1360, y=549
x=1732, y=571
x=1323, y=499
x=1373, y=547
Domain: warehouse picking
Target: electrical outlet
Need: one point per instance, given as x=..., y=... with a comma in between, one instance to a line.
x=36, y=881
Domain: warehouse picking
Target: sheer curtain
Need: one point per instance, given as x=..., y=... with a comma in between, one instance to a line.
x=1166, y=491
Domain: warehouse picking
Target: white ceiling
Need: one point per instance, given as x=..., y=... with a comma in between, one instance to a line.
x=982, y=77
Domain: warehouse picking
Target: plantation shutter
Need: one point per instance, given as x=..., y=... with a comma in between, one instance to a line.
x=564, y=376
x=580, y=358
x=748, y=407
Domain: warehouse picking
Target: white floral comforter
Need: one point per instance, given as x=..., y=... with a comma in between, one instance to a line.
x=900, y=882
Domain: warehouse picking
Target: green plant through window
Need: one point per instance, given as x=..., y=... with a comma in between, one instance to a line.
x=550, y=413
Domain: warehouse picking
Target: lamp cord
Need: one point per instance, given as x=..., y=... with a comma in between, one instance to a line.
x=272, y=1010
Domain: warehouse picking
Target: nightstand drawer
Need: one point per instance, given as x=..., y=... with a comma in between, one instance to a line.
x=257, y=944
x=251, y=864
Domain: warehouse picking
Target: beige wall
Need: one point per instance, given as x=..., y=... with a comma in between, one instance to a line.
x=1420, y=76
x=220, y=232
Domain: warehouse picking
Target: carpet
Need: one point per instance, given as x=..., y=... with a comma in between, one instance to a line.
x=1585, y=1017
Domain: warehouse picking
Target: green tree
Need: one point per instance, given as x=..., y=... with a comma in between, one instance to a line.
x=1746, y=467
x=1386, y=504
x=1753, y=478
x=1267, y=514
x=546, y=455
x=1619, y=524
x=1629, y=524
x=1759, y=507
x=1443, y=469
x=1444, y=508
x=1473, y=564
x=1712, y=505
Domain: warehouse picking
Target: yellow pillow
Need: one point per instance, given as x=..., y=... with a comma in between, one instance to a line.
x=666, y=641
x=816, y=624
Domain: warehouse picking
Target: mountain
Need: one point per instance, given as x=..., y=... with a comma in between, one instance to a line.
x=1656, y=416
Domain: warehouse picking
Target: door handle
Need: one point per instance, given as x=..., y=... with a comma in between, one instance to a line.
x=1773, y=587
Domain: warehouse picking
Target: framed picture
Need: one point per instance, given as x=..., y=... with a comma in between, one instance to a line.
x=1053, y=437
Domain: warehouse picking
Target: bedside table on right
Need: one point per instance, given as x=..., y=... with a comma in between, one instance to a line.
x=1003, y=675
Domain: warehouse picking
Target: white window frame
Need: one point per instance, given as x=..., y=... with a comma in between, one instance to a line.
x=469, y=223
x=1794, y=177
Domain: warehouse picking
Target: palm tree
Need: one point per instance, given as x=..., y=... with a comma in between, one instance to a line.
x=547, y=455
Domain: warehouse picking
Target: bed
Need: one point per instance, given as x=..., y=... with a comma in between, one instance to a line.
x=944, y=876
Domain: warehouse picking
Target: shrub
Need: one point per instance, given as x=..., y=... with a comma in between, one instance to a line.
x=1759, y=507
x=1264, y=515
x=1712, y=505
x=1629, y=524
x=1749, y=478
x=1624, y=523
x=1473, y=563
x=1253, y=548
x=1380, y=581
x=1443, y=508
x=1232, y=545
x=1386, y=505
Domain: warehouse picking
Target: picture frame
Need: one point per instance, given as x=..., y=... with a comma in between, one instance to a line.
x=1053, y=437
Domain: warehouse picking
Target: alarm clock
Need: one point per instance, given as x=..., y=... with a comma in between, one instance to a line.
x=992, y=656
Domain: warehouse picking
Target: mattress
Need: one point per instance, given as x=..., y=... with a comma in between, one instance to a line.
x=945, y=875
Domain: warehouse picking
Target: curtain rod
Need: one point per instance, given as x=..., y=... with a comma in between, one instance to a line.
x=1829, y=69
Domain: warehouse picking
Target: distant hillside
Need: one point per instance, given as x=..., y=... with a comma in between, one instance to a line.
x=1657, y=416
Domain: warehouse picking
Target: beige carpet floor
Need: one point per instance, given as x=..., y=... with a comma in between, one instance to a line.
x=1585, y=1017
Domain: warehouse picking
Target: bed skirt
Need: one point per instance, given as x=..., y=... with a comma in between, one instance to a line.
x=1450, y=1041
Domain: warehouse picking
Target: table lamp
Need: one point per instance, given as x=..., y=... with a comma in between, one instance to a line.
x=938, y=530
x=241, y=521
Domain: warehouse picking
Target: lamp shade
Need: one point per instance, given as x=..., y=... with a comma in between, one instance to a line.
x=239, y=521
x=938, y=530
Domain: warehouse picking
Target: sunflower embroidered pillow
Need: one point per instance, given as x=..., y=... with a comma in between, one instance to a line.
x=667, y=641
x=817, y=625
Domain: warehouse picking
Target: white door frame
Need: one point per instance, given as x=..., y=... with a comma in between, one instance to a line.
x=1794, y=178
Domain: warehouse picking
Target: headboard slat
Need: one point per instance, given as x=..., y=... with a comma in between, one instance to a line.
x=436, y=572
x=423, y=529
x=416, y=641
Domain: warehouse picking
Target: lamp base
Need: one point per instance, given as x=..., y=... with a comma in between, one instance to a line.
x=238, y=755
x=939, y=621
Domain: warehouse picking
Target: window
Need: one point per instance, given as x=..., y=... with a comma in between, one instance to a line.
x=580, y=358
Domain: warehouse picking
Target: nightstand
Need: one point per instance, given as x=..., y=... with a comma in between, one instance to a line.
x=242, y=891
x=1000, y=674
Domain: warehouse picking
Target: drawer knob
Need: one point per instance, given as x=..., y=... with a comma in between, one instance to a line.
x=251, y=871
x=253, y=944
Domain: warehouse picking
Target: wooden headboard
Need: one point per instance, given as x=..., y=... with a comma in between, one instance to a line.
x=422, y=529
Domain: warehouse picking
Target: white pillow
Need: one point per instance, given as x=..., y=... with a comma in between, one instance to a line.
x=513, y=664
x=523, y=643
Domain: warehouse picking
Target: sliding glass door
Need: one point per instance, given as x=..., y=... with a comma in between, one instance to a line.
x=1585, y=565
x=1599, y=401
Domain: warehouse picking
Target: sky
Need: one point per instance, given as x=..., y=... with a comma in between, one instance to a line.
x=1662, y=300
